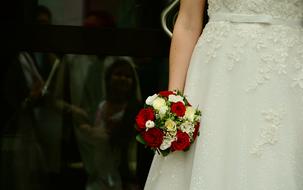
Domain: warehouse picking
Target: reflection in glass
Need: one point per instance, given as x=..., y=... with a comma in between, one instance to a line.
x=112, y=134
x=31, y=135
x=80, y=133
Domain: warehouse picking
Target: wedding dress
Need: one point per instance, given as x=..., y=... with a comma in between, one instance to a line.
x=246, y=75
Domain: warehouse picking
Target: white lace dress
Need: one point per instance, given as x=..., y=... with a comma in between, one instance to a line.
x=246, y=75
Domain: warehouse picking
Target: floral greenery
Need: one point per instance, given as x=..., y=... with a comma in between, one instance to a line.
x=168, y=122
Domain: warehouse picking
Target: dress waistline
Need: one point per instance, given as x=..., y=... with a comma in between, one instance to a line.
x=260, y=19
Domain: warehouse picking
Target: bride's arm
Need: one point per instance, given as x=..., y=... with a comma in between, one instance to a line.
x=186, y=32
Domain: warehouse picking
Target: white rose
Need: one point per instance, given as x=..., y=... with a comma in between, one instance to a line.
x=190, y=113
x=149, y=124
x=170, y=125
x=163, y=110
x=158, y=103
x=166, y=143
x=173, y=98
x=187, y=127
x=149, y=100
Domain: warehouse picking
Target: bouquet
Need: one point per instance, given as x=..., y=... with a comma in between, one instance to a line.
x=168, y=123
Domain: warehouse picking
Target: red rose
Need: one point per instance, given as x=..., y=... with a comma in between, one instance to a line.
x=144, y=115
x=178, y=108
x=166, y=93
x=196, y=132
x=153, y=137
x=182, y=142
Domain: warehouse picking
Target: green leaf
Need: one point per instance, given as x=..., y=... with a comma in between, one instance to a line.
x=186, y=149
x=165, y=152
x=140, y=139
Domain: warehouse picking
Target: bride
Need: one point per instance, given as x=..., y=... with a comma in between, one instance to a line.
x=245, y=72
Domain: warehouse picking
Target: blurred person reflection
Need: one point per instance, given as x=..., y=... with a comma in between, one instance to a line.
x=37, y=135
x=43, y=15
x=86, y=70
x=22, y=160
x=22, y=149
x=84, y=74
x=81, y=78
x=50, y=116
x=112, y=135
x=44, y=61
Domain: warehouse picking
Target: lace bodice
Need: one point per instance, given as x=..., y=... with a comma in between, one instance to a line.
x=285, y=9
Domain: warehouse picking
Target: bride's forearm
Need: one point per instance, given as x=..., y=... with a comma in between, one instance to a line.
x=186, y=32
x=182, y=45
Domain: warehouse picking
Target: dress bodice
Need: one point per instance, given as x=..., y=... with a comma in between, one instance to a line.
x=284, y=9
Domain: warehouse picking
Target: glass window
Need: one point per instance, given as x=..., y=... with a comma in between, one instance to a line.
x=70, y=121
x=70, y=99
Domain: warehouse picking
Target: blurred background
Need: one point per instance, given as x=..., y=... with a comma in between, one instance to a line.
x=74, y=75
